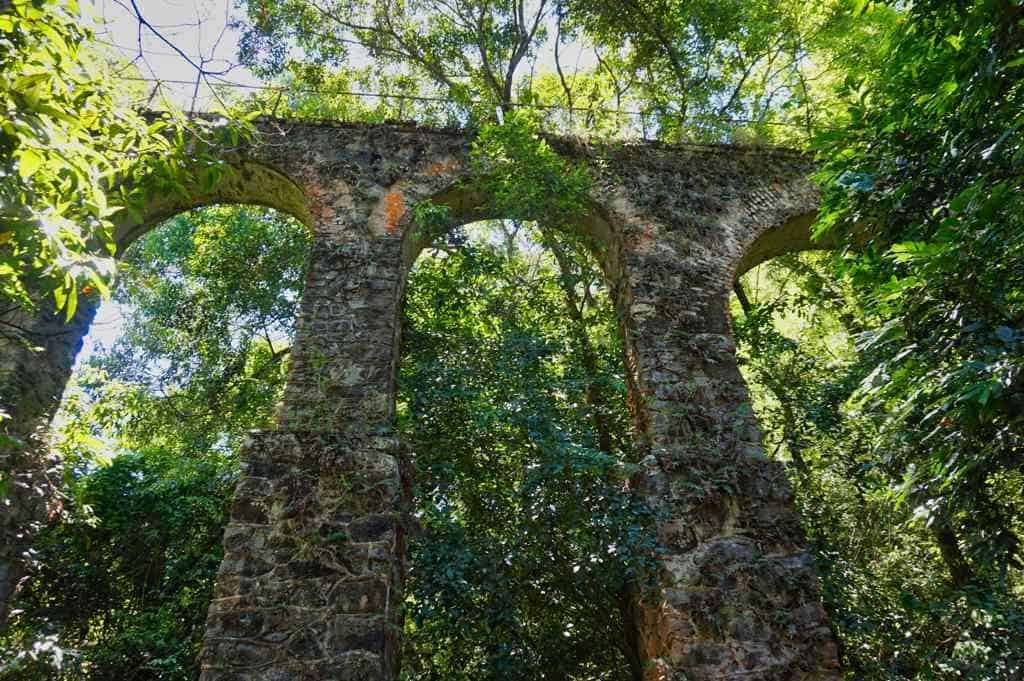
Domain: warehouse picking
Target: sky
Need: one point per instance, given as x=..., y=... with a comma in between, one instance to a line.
x=199, y=28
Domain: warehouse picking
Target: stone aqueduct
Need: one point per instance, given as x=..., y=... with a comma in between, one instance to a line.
x=737, y=597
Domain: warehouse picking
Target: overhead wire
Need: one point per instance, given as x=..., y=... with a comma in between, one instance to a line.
x=222, y=82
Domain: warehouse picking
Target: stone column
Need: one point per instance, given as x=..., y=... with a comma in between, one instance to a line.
x=311, y=582
x=37, y=352
x=738, y=597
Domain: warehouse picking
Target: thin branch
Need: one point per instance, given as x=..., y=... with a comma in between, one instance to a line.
x=144, y=23
x=558, y=65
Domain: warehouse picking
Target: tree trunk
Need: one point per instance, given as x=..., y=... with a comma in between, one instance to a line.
x=595, y=396
x=960, y=570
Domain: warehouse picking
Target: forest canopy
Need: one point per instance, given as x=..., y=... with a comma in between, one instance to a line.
x=886, y=373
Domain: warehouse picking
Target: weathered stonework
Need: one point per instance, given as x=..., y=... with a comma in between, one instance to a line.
x=736, y=587
x=36, y=354
x=311, y=583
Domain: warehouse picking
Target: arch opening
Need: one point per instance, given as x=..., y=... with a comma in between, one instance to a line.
x=463, y=204
x=189, y=355
x=791, y=236
x=885, y=568
x=240, y=181
x=512, y=396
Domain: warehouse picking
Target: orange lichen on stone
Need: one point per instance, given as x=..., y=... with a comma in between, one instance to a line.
x=394, y=209
x=441, y=167
x=319, y=207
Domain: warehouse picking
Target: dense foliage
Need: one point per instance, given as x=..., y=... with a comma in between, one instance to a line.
x=924, y=179
x=674, y=70
x=62, y=135
x=933, y=162
x=885, y=567
x=212, y=298
x=124, y=581
x=74, y=154
x=530, y=546
x=888, y=376
x=149, y=432
x=471, y=51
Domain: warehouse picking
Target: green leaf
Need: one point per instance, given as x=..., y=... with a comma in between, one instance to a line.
x=29, y=161
x=70, y=302
x=860, y=7
x=915, y=251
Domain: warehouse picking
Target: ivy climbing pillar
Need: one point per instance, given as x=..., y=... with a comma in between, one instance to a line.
x=737, y=596
x=37, y=351
x=311, y=582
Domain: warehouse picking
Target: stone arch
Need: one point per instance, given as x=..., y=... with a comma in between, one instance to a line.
x=677, y=224
x=784, y=226
x=385, y=230
x=792, y=236
x=466, y=204
x=33, y=374
x=246, y=182
x=40, y=376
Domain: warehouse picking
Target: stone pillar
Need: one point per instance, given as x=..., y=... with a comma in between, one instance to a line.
x=341, y=375
x=311, y=582
x=37, y=352
x=738, y=597
x=310, y=586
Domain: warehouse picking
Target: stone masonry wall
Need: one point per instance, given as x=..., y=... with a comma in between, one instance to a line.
x=312, y=571
x=738, y=596
x=36, y=355
x=311, y=583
